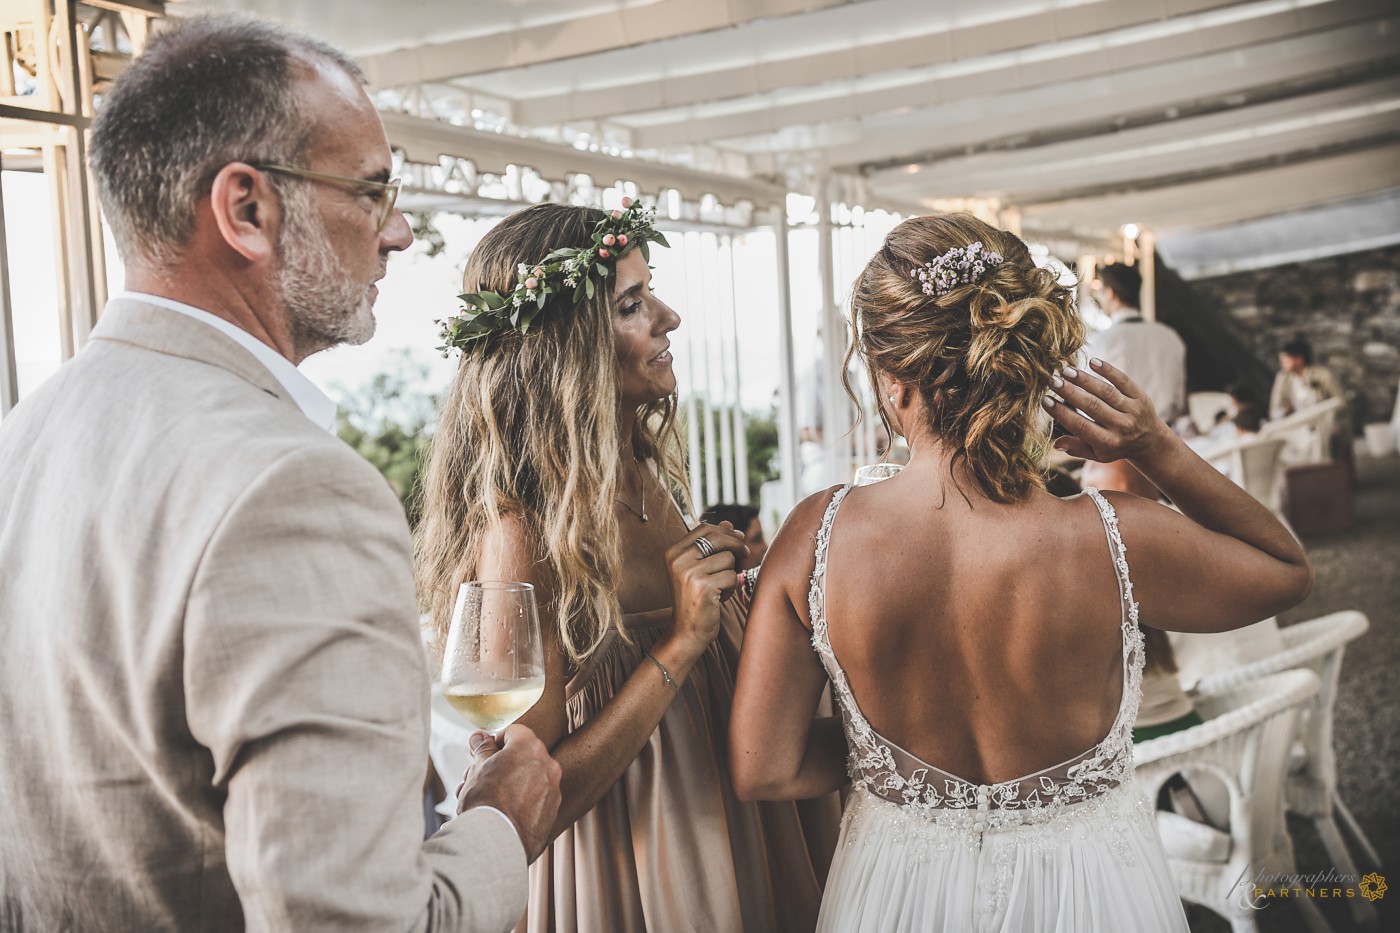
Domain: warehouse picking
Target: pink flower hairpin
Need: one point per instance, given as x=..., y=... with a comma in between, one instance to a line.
x=958, y=266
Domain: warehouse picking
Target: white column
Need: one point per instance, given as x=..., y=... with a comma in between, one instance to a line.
x=9, y=378
x=791, y=470
x=741, y=442
x=724, y=317
x=835, y=411
x=708, y=403
x=1088, y=270
x=692, y=406
x=1147, y=266
x=75, y=201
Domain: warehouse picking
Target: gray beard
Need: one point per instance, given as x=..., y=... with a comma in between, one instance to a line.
x=323, y=308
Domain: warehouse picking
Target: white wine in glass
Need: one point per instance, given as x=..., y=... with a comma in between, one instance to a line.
x=493, y=663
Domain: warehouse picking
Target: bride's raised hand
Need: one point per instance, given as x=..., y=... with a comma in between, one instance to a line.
x=1121, y=422
x=703, y=573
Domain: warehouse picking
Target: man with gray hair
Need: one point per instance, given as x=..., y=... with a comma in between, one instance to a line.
x=215, y=697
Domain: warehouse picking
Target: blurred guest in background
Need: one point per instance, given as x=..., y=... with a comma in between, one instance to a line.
x=1247, y=422
x=744, y=518
x=1300, y=382
x=1165, y=707
x=1150, y=352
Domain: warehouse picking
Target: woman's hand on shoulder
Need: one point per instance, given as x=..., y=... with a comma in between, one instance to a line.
x=702, y=576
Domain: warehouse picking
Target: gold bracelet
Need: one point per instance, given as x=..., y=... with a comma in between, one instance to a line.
x=665, y=674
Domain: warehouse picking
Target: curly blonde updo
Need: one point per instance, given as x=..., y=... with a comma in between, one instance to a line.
x=980, y=356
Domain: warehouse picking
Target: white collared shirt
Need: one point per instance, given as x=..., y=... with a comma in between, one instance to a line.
x=1152, y=354
x=311, y=400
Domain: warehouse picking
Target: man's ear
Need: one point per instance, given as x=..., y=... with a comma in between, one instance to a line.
x=246, y=210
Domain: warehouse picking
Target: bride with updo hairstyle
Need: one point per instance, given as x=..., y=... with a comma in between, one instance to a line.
x=983, y=638
x=980, y=357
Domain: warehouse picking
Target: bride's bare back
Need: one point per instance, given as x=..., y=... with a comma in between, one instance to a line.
x=977, y=622
x=984, y=639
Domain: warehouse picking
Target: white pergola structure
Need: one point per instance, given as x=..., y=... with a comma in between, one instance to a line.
x=1223, y=131
x=51, y=56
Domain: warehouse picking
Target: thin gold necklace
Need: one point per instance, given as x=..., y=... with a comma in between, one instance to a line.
x=642, y=479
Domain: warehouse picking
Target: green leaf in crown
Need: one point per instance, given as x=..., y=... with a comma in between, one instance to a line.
x=568, y=269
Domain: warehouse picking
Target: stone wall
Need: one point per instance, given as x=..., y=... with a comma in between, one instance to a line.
x=1347, y=307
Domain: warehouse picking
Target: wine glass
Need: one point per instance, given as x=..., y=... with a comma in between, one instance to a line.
x=493, y=663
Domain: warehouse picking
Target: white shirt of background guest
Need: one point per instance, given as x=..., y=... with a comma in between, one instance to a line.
x=1151, y=353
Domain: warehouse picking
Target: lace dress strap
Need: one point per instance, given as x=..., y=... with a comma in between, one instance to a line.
x=1131, y=633
x=816, y=589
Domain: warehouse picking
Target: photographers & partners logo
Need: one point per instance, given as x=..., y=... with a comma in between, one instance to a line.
x=1255, y=892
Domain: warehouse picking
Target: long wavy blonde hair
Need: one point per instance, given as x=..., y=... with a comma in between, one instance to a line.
x=529, y=429
x=980, y=356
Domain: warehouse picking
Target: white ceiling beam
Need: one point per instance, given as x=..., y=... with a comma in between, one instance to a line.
x=1104, y=100
x=597, y=32
x=967, y=84
x=1231, y=199
x=425, y=141
x=1205, y=161
x=1344, y=227
x=1183, y=146
x=916, y=50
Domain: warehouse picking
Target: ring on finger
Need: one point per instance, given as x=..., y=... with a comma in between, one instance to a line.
x=706, y=548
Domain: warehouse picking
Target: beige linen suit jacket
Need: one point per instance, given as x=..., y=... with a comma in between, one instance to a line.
x=213, y=698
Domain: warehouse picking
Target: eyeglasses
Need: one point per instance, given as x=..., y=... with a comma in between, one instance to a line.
x=385, y=193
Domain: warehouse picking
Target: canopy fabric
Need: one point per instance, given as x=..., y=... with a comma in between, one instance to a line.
x=1080, y=115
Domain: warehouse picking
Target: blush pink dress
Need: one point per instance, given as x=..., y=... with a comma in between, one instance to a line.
x=670, y=848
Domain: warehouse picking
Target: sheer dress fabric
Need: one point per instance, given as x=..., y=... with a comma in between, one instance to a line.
x=1073, y=848
x=670, y=847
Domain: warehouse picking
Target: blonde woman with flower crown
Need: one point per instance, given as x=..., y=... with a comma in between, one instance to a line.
x=981, y=636
x=555, y=463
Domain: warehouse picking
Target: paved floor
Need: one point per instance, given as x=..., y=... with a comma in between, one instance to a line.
x=1356, y=569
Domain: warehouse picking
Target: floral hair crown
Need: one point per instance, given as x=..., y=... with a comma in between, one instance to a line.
x=956, y=267
x=583, y=270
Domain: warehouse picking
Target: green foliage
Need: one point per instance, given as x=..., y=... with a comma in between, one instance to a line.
x=761, y=434
x=425, y=231
x=389, y=422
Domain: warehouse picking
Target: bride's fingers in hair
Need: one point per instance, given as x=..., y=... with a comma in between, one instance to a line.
x=1119, y=379
x=1126, y=410
x=1100, y=388
x=1075, y=390
x=1089, y=437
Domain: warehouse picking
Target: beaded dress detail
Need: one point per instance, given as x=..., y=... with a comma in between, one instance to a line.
x=933, y=823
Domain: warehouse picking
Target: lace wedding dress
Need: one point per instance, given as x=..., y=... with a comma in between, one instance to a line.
x=1072, y=848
